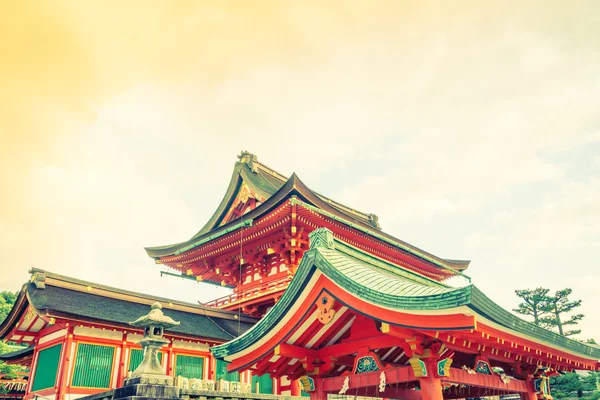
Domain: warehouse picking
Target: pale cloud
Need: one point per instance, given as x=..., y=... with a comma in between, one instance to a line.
x=567, y=222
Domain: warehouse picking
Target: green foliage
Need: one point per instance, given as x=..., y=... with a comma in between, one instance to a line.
x=549, y=311
x=557, y=306
x=7, y=299
x=590, y=381
x=534, y=302
x=562, y=385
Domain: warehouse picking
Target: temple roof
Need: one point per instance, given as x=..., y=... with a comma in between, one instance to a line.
x=57, y=296
x=271, y=189
x=393, y=294
x=17, y=354
x=265, y=182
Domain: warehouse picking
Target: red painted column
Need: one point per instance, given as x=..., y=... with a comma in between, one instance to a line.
x=295, y=388
x=530, y=395
x=122, y=369
x=318, y=393
x=431, y=389
x=64, y=365
x=169, y=367
x=33, y=370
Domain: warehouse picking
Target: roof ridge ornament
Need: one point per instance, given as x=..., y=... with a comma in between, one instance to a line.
x=321, y=237
x=38, y=279
x=246, y=157
x=374, y=220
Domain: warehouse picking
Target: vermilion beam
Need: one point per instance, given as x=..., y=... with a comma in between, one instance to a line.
x=485, y=381
x=291, y=351
x=396, y=375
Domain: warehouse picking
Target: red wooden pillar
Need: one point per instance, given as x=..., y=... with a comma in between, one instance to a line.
x=295, y=388
x=64, y=365
x=530, y=395
x=431, y=388
x=169, y=367
x=318, y=393
x=122, y=371
x=33, y=369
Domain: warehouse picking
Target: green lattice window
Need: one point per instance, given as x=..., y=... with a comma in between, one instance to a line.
x=136, y=356
x=189, y=366
x=223, y=374
x=93, y=366
x=46, y=368
x=262, y=384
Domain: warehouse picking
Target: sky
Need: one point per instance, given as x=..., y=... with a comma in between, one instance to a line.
x=472, y=129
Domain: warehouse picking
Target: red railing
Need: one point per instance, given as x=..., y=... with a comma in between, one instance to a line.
x=249, y=294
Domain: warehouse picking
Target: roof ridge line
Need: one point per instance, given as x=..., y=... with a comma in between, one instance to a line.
x=377, y=235
x=216, y=312
x=251, y=160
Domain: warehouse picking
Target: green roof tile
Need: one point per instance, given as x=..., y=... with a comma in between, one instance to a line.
x=390, y=286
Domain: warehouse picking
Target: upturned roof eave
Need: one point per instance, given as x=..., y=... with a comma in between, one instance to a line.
x=295, y=187
x=273, y=201
x=14, y=315
x=312, y=261
x=13, y=355
x=258, y=183
x=468, y=296
x=241, y=175
x=234, y=184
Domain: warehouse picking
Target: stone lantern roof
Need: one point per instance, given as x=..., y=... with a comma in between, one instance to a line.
x=155, y=318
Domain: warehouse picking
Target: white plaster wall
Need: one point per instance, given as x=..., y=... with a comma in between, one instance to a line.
x=97, y=333
x=134, y=337
x=52, y=336
x=179, y=344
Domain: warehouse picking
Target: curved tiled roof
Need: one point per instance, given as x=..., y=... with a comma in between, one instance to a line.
x=366, y=280
x=13, y=355
x=63, y=301
x=62, y=296
x=276, y=189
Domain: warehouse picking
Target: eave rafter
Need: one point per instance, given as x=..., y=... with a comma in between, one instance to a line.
x=210, y=246
x=279, y=346
x=508, y=348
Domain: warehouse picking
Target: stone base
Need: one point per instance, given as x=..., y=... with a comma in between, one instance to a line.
x=145, y=390
x=146, y=398
x=149, y=379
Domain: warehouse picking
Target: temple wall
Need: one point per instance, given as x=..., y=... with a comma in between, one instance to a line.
x=52, y=336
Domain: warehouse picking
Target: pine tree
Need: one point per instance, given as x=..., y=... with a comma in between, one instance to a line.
x=534, y=304
x=558, y=305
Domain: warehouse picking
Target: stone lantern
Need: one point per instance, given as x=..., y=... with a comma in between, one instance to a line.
x=150, y=371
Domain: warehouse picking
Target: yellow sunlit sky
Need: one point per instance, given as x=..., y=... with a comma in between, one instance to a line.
x=472, y=129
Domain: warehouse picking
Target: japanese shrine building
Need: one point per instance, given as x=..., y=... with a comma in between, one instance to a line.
x=322, y=301
x=80, y=341
x=349, y=309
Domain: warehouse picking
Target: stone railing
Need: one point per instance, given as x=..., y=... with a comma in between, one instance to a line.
x=212, y=394
x=108, y=395
x=193, y=394
x=249, y=294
